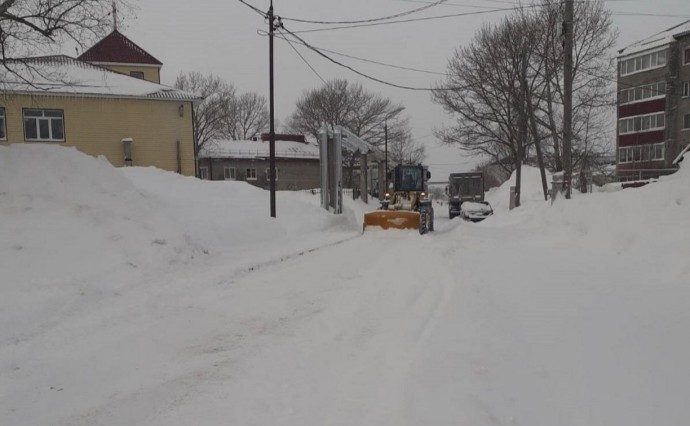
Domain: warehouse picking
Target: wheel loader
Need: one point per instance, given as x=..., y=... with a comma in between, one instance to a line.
x=407, y=204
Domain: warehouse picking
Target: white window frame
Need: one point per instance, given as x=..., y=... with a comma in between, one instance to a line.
x=137, y=74
x=3, y=124
x=38, y=119
x=229, y=173
x=654, y=117
x=203, y=173
x=268, y=174
x=648, y=91
x=685, y=91
x=250, y=173
x=626, y=154
x=635, y=62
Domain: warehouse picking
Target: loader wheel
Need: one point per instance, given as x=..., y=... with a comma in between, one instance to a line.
x=431, y=220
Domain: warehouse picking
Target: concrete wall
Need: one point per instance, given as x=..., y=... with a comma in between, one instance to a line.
x=96, y=126
x=293, y=174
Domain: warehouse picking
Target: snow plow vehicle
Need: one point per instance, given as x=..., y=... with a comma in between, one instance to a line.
x=407, y=204
x=466, y=197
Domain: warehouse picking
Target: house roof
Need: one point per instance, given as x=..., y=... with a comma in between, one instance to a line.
x=63, y=75
x=657, y=40
x=258, y=149
x=116, y=48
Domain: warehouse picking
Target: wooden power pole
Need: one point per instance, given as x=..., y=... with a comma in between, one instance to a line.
x=568, y=96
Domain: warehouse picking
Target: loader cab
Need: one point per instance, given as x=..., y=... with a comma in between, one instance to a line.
x=409, y=178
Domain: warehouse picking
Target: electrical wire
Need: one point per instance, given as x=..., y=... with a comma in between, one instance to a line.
x=383, y=18
x=357, y=58
x=300, y=55
x=453, y=15
x=254, y=8
x=378, y=80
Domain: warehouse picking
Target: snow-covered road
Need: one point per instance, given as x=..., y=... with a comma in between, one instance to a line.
x=158, y=312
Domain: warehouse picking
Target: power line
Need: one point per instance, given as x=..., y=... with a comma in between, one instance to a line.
x=303, y=59
x=453, y=15
x=378, y=80
x=383, y=18
x=254, y=8
x=357, y=58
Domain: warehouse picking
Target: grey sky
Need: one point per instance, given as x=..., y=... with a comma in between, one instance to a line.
x=221, y=37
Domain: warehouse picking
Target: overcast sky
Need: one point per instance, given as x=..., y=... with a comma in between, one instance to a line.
x=220, y=37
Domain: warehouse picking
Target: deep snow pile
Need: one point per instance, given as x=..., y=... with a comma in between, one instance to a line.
x=139, y=297
x=74, y=225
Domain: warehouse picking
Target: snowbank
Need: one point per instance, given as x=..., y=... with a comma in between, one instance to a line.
x=531, y=190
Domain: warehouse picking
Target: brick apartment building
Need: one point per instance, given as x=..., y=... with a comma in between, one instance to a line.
x=653, y=103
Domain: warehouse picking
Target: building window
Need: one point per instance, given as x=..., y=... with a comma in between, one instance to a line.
x=686, y=89
x=229, y=173
x=642, y=123
x=641, y=93
x=641, y=63
x=250, y=174
x=686, y=121
x=44, y=125
x=137, y=74
x=686, y=59
x=203, y=173
x=634, y=154
x=268, y=174
x=3, y=132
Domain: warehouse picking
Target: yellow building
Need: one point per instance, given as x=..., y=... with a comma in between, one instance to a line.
x=107, y=102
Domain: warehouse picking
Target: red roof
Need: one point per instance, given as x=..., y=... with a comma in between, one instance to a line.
x=118, y=49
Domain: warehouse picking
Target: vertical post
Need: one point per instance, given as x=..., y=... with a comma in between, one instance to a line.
x=385, y=135
x=114, y=16
x=323, y=150
x=272, y=134
x=568, y=96
x=364, y=177
x=338, y=170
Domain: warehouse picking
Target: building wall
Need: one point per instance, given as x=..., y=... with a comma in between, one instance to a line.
x=293, y=174
x=96, y=126
x=682, y=135
x=151, y=73
x=650, y=137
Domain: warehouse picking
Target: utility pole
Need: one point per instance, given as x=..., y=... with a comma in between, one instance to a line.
x=272, y=134
x=385, y=137
x=568, y=96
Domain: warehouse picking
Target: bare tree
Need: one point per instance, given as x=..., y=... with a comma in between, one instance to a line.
x=248, y=116
x=509, y=92
x=593, y=93
x=31, y=27
x=210, y=115
x=494, y=80
x=340, y=102
x=404, y=150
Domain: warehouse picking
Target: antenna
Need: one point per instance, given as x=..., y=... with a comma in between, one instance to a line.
x=114, y=16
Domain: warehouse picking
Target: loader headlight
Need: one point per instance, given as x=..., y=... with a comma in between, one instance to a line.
x=387, y=195
x=423, y=194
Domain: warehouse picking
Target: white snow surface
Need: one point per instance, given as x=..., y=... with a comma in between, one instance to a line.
x=656, y=40
x=64, y=75
x=140, y=297
x=252, y=149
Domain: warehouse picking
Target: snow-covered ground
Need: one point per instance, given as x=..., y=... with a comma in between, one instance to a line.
x=140, y=297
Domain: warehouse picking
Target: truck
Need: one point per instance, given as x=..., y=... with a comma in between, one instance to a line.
x=465, y=193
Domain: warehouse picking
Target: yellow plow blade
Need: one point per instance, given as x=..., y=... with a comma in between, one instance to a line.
x=397, y=219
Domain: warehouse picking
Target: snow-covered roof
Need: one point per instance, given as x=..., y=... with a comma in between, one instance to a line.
x=657, y=40
x=64, y=75
x=258, y=149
